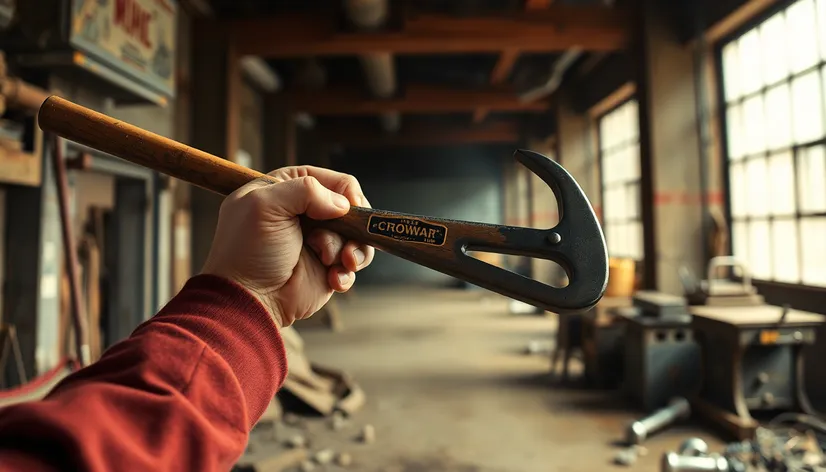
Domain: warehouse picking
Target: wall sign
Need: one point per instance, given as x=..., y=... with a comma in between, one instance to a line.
x=134, y=37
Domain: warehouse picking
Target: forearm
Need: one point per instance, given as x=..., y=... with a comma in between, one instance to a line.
x=181, y=393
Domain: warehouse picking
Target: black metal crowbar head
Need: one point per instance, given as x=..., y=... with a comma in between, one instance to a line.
x=576, y=243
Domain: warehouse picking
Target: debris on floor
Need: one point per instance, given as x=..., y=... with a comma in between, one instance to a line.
x=539, y=347
x=338, y=421
x=627, y=456
x=322, y=389
x=279, y=460
x=344, y=459
x=368, y=434
x=297, y=441
x=797, y=446
x=307, y=434
x=324, y=456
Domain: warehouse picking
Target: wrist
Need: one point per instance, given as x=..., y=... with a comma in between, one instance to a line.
x=271, y=305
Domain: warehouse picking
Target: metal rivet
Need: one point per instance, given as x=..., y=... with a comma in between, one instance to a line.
x=554, y=238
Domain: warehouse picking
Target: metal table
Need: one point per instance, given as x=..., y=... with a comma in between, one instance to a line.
x=752, y=361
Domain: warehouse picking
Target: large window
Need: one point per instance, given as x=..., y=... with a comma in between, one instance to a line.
x=774, y=83
x=619, y=158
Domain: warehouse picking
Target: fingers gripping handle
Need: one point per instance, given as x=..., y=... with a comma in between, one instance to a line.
x=435, y=243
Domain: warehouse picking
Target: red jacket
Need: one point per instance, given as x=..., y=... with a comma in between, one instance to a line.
x=181, y=393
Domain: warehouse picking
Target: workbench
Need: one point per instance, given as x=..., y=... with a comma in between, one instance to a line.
x=752, y=361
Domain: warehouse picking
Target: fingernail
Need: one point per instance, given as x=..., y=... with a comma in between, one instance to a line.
x=359, y=256
x=340, y=201
x=343, y=278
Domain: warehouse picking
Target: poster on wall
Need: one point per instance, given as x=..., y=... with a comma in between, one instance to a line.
x=133, y=37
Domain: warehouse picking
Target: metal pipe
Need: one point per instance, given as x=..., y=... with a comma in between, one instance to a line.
x=673, y=462
x=22, y=95
x=379, y=68
x=639, y=430
x=561, y=65
x=69, y=250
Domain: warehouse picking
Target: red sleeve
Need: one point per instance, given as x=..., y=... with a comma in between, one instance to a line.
x=181, y=393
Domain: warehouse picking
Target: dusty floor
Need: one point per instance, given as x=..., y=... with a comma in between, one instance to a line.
x=450, y=389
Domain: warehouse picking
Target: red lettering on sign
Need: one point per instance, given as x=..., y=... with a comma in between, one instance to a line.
x=134, y=20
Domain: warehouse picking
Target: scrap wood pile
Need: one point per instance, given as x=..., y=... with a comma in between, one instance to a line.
x=284, y=438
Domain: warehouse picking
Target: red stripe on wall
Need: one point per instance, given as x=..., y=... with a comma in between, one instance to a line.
x=685, y=198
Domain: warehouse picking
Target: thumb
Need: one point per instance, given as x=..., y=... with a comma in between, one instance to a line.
x=304, y=195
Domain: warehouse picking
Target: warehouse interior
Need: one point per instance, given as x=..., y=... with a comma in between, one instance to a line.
x=695, y=129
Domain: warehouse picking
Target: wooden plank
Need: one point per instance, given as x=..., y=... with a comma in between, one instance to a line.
x=415, y=99
x=421, y=135
x=618, y=96
x=554, y=29
x=501, y=72
x=19, y=167
x=504, y=66
x=739, y=17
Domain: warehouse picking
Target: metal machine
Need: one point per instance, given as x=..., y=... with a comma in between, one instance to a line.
x=662, y=360
x=752, y=361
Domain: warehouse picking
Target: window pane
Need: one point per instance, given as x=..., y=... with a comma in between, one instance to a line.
x=750, y=79
x=811, y=179
x=609, y=203
x=633, y=203
x=740, y=240
x=633, y=120
x=784, y=250
x=622, y=163
x=806, y=106
x=802, y=34
x=757, y=185
x=635, y=240
x=609, y=172
x=813, y=241
x=759, y=255
x=778, y=117
x=731, y=71
x=622, y=202
x=734, y=126
x=775, y=49
x=634, y=162
x=604, y=133
x=753, y=122
x=737, y=190
x=610, y=240
x=621, y=236
x=782, y=184
x=821, y=26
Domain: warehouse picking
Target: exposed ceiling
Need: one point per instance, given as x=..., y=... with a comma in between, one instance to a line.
x=500, y=75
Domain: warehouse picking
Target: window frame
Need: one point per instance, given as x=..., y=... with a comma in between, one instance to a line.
x=596, y=120
x=808, y=297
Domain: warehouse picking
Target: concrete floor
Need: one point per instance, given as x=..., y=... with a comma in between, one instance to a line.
x=450, y=389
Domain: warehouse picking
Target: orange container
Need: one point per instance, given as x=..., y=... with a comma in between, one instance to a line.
x=621, y=275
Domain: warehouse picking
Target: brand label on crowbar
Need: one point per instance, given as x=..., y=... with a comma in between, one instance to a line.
x=407, y=229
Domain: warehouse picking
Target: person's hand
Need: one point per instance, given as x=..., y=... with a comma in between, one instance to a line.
x=259, y=244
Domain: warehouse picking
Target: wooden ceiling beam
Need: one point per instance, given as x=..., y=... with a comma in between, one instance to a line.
x=501, y=72
x=415, y=99
x=421, y=134
x=507, y=60
x=557, y=28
